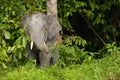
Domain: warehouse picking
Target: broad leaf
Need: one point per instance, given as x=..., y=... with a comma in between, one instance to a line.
x=7, y=34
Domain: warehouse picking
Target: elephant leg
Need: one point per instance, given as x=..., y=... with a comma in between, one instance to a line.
x=44, y=59
x=33, y=53
x=54, y=57
x=37, y=60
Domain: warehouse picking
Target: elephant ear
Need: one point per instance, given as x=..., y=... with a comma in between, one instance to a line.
x=54, y=29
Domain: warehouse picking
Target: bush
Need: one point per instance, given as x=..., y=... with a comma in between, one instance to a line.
x=72, y=51
x=106, y=68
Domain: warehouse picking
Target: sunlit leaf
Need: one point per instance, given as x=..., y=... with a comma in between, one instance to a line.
x=3, y=64
x=7, y=34
x=18, y=41
x=24, y=42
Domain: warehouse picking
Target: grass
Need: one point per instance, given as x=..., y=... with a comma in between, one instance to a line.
x=107, y=68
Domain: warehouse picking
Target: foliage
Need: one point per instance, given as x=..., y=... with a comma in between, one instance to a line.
x=113, y=49
x=75, y=63
x=73, y=54
x=71, y=51
x=67, y=10
x=102, y=16
x=106, y=68
x=3, y=58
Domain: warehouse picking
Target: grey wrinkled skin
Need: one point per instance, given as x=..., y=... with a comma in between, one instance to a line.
x=44, y=32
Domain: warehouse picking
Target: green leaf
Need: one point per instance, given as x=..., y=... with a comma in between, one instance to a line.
x=3, y=65
x=19, y=55
x=15, y=59
x=18, y=41
x=23, y=42
x=4, y=52
x=7, y=34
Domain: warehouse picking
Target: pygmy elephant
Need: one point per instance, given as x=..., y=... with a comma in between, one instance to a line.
x=44, y=31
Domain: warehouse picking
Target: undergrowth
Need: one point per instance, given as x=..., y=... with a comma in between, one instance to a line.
x=107, y=68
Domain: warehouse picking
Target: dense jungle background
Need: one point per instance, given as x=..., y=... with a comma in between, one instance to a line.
x=91, y=41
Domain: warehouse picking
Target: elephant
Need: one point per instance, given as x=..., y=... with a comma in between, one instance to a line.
x=44, y=31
